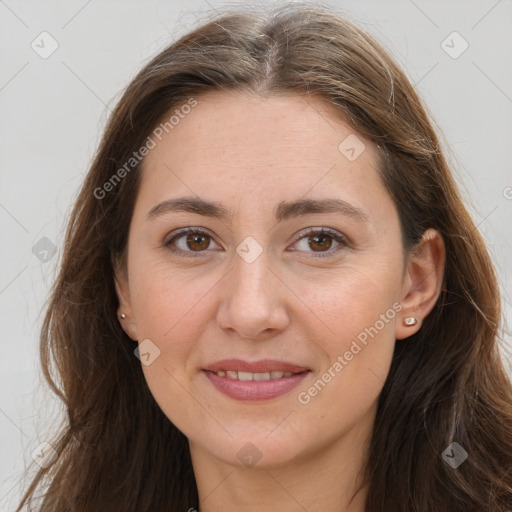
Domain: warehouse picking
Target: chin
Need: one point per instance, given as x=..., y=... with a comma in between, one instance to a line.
x=251, y=450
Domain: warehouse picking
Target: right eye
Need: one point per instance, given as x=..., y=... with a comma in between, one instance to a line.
x=188, y=241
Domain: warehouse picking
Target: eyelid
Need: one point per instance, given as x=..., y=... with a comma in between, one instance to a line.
x=340, y=238
x=182, y=232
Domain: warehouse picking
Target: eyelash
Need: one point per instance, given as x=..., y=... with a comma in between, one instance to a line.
x=338, y=237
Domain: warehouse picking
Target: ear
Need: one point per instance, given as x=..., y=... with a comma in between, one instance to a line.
x=423, y=280
x=123, y=295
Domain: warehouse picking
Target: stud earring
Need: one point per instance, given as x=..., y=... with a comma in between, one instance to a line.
x=123, y=316
x=410, y=321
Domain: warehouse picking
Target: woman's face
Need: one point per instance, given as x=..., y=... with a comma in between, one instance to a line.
x=253, y=288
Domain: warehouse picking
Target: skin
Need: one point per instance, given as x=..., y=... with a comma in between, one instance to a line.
x=250, y=152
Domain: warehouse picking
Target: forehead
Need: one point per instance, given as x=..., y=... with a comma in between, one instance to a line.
x=234, y=125
x=244, y=148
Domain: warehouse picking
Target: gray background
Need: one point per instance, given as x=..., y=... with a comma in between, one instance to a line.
x=54, y=109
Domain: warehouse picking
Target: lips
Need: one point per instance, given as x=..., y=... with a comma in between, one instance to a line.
x=261, y=380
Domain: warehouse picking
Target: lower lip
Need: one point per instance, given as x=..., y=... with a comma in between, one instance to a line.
x=255, y=389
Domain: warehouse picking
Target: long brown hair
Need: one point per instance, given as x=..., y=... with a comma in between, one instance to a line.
x=117, y=450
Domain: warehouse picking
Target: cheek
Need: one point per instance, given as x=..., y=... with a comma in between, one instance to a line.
x=165, y=304
x=358, y=313
x=170, y=311
x=351, y=301
x=171, y=308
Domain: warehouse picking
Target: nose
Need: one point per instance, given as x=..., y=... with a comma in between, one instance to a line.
x=253, y=300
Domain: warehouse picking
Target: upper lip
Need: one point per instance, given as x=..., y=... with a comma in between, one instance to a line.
x=264, y=365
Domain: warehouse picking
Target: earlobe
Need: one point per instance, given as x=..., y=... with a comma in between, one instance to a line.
x=124, y=312
x=422, y=283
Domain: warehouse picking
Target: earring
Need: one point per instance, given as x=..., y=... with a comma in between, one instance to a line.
x=123, y=316
x=410, y=321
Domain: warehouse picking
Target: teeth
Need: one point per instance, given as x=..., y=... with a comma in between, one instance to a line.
x=261, y=376
x=245, y=376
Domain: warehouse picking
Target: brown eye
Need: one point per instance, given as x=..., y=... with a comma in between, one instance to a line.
x=320, y=242
x=197, y=242
x=189, y=241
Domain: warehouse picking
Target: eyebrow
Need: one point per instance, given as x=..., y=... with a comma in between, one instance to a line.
x=283, y=211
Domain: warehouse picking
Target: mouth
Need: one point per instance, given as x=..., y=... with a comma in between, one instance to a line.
x=248, y=376
x=261, y=380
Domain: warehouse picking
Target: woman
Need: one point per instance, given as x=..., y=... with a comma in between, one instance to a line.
x=272, y=296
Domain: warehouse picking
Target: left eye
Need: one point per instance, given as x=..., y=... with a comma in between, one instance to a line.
x=321, y=241
x=194, y=240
